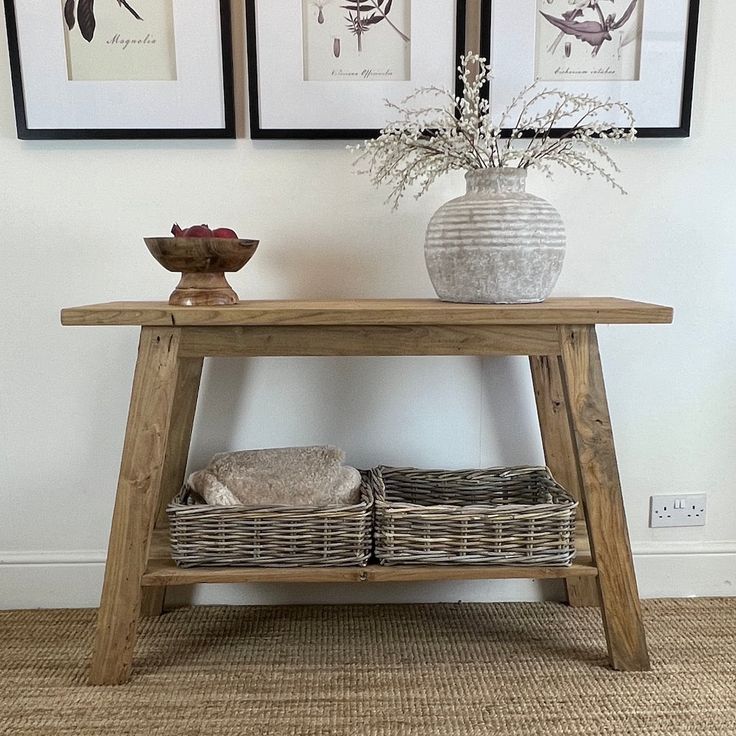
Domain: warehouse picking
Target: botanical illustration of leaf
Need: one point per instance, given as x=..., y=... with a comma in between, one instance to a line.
x=359, y=24
x=627, y=14
x=69, y=13
x=86, y=18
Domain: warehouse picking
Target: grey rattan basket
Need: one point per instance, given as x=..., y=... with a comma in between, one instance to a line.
x=500, y=516
x=270, y=536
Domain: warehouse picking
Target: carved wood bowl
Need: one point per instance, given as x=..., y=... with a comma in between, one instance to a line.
x=202, y=263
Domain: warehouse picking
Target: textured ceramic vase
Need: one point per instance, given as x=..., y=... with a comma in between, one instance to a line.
x=497, y=244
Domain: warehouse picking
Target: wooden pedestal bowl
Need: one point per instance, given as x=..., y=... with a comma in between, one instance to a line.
x=202, y=263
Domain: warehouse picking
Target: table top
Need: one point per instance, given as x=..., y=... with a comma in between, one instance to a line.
x=567, y=311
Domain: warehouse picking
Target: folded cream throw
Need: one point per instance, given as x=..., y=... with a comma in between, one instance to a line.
x=286, y=476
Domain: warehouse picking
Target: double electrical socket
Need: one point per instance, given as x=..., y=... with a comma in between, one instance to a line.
x=679, y=510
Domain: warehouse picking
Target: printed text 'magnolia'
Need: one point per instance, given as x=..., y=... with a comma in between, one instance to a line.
x=118, y=40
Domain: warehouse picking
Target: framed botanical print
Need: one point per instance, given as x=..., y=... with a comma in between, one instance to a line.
x=121, y=68
x=641, y=52
x=324, y=68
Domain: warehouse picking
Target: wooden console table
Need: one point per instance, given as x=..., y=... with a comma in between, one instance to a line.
x=558, y=336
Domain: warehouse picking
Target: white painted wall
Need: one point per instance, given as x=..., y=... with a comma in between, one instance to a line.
x=72, y=218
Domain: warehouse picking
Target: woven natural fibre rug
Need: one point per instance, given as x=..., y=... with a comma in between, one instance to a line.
x=430, y=670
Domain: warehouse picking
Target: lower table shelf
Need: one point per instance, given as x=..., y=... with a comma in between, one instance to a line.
x=162, y=570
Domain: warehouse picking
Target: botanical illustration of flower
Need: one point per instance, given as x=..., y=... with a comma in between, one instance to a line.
x=592, y=32
x=320, y=5
x=83, y=13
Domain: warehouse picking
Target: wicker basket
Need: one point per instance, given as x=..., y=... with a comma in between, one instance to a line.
x=501, y=516
x=270, y=536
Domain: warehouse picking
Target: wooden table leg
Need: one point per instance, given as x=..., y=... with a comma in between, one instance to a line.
x=188, y=379
x=601, y=489
x=559, y=453
x=136, y=503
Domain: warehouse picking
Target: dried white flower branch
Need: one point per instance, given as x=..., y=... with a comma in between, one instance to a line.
x=446, y=133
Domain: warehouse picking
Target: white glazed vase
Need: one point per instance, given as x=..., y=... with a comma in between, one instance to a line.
x=496, y=244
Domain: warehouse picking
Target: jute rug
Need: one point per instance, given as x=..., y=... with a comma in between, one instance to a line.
x=454, y=670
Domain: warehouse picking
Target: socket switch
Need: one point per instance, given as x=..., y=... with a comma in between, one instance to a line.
x=677, y=510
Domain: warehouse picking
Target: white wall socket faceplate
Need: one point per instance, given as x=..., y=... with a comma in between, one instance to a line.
x=677, y=510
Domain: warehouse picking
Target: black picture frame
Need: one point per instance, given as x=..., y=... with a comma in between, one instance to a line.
x=26, y=133
x=682, y=129
x=260, y=133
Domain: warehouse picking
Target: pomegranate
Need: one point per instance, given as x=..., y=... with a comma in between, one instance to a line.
x=198, y=231
x=225, y=232
x=203, y=231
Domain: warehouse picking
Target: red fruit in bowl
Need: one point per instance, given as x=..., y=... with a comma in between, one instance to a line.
x=198, y=231
x=177, y=232
x=225, y=232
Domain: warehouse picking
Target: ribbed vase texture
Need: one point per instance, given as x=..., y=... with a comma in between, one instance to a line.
x=496, y=244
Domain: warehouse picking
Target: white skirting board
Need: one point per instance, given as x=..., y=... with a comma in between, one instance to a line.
x=74, y=580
